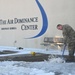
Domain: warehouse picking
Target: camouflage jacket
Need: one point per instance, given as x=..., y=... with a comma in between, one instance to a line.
x=68, y=34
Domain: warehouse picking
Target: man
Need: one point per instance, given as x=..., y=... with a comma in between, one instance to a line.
x=69, y=39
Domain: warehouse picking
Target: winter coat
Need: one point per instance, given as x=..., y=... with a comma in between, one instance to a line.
x=68, y=34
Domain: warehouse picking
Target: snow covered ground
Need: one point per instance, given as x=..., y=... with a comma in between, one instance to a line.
x=29, y=50
x=55, y=66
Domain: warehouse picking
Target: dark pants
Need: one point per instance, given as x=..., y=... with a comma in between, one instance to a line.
x=71, y=48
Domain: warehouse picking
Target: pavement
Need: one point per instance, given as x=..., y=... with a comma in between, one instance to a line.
x=29, y=57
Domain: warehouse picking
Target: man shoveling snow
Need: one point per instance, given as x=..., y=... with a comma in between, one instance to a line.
x=69, y=39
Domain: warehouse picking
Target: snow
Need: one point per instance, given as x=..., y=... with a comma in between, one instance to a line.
x=54, y=66
x=29, y=50
x=36, y=68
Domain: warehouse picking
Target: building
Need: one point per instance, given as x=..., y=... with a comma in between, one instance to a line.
x=25, y=23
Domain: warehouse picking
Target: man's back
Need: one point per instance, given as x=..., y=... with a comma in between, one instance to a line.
x=68, y=33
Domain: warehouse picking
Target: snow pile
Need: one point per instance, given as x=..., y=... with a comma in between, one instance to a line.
x=39, y=72
x=36, y=68
x=57, y=60
x=20, y=68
